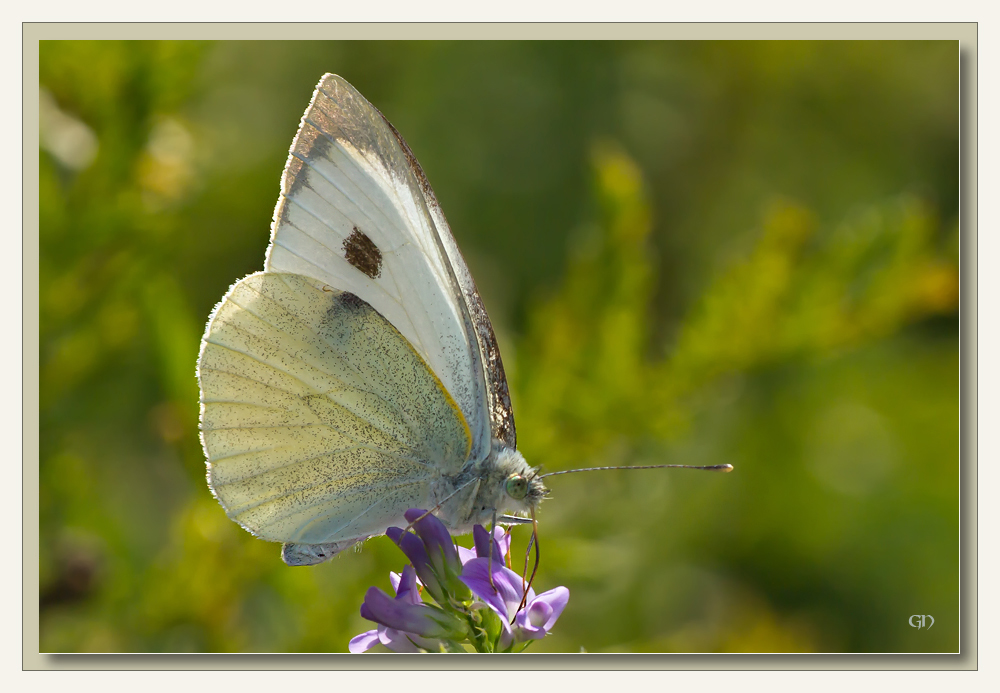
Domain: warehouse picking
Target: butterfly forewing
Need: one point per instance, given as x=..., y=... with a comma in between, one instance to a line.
x=320, y=421
x=352, y=214
x=498, y=404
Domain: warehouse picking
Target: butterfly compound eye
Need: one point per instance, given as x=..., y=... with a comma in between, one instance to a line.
x=517, y=486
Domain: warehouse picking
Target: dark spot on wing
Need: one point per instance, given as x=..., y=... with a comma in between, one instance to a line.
x=350, y=300
x=362, y=253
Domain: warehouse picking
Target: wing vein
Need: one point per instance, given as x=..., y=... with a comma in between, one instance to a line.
x=360, y=171
x=395, y=407
x=326, y=499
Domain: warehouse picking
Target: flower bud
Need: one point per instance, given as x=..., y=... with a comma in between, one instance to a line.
x=423, y=620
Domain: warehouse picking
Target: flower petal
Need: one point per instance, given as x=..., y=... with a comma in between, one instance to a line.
x=502, y=537
x=413, y=547
x=397, y=640
x=406, y=586
x=363, y=642
x=484, y=542
x=556, y=598
x=395, y=578
x=437, y=540
x=465, y=555
x=440, y=549
x=503, y=595
x=540, y=614
x=419, y=619
x=506, y=638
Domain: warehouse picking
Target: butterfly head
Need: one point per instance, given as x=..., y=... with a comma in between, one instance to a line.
x=523, y=488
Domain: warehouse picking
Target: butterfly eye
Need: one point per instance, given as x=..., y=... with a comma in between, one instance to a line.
x=517, y=486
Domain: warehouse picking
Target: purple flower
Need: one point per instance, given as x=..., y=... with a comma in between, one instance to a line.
x=406, y=624
x=501, y=545
x=421, y=619
x=540, y=614
x=432, y=552
x=364, y=642
x=440, y=546
x=505, y=592
x=411, y=545
x=477, y=597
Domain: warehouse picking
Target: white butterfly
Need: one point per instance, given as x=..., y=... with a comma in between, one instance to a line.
x=358, y=375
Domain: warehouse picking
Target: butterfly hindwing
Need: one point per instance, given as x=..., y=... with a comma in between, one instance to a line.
x=320, y=422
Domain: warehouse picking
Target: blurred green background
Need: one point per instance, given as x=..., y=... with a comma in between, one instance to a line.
x=692, y=252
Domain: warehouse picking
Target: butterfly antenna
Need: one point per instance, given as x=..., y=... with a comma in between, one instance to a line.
x=708, y=468
x=538, y=558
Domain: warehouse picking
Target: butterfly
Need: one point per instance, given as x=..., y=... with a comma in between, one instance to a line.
x=358, y=375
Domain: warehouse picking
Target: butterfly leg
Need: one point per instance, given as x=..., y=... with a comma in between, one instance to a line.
x=512, y=520
x=489, y=565
x=443, y=501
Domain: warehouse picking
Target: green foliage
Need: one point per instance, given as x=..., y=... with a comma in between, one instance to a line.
x=693, y=253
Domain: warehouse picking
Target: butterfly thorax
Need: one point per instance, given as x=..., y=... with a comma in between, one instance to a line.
x=503, y=483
